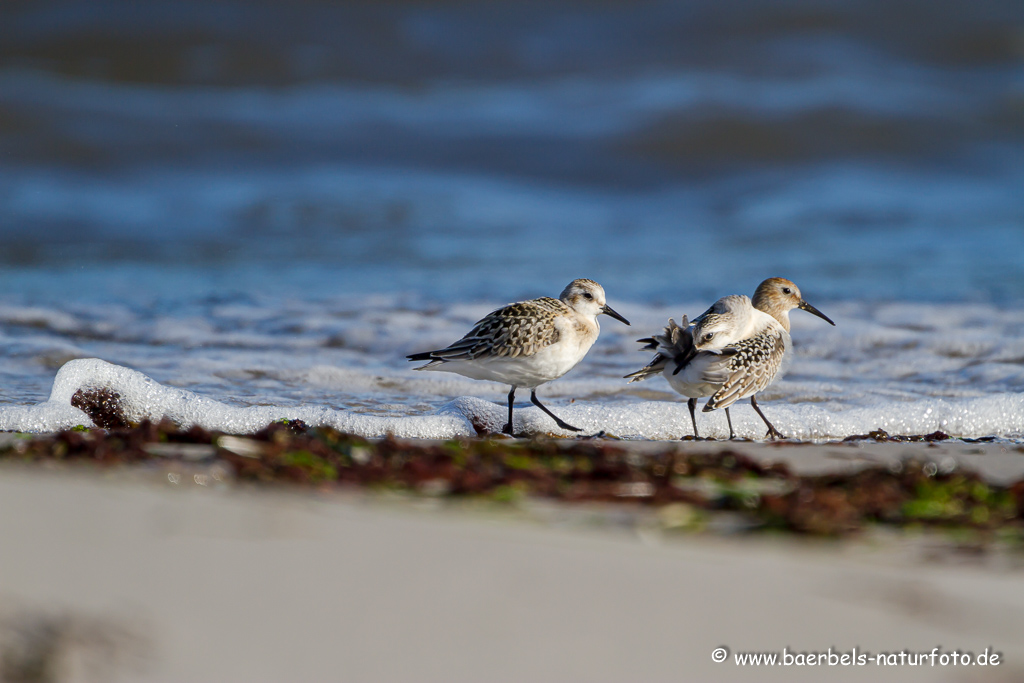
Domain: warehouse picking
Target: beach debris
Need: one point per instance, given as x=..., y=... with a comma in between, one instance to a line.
x=906, y=492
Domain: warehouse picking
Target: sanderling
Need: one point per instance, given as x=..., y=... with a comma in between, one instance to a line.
x=705, y=367
x=528, y=343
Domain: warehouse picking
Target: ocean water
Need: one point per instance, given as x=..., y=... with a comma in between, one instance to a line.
x=255, y=210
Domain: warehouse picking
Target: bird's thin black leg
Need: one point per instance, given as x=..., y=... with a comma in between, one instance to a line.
x=732, y=434
x=507, y=429
x=772, y=431
x=692, y=405
x=558, y=420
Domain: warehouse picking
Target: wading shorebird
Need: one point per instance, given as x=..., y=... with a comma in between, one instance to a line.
x=528, y=343
x=728, y=367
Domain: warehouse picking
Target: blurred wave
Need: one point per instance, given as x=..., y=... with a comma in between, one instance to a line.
x=865, y=149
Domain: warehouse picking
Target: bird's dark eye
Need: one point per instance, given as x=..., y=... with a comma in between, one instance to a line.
x=588, y=295
x=787, y=290
x=708, y=336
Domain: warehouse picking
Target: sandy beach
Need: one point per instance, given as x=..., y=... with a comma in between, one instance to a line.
x=143, y=579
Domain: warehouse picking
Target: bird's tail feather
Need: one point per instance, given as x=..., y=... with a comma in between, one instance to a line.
x=673, y=345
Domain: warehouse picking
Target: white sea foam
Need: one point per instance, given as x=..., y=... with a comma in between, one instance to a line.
x=143, y=398
x=237, y=365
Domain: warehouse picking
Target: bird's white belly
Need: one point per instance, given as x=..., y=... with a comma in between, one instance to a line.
x=689, y=381
x=546, y=365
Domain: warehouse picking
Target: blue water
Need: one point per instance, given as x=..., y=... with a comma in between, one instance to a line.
x=215, y=192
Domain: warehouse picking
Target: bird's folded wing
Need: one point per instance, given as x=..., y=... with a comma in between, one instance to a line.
x=520, y=329
x=746, y=368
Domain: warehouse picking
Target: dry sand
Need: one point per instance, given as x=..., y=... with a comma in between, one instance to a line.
x=197, y=583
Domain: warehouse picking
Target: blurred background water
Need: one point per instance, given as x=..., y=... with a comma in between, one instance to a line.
x=213, y=191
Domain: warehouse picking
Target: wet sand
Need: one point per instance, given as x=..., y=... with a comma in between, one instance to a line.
x=235, y=583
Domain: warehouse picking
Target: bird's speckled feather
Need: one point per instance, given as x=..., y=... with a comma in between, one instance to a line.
x=519, y=329
x=747, y=367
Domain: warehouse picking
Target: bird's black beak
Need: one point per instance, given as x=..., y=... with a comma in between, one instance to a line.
x=607, y=310
x=803, y=305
